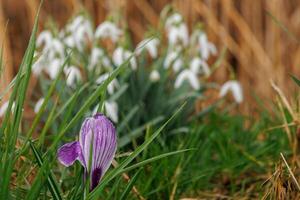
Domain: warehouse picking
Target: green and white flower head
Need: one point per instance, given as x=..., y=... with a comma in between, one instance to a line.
x=149, y=44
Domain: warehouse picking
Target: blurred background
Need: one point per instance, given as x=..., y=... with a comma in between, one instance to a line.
x=253, y=32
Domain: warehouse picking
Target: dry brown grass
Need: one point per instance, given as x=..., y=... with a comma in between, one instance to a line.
x=258, y=49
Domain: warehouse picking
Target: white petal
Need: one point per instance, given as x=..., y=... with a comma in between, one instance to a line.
x=45, y=37
x=172, y=20
x=197, y=65
x=150, y=45
x=38, y=105
x=177, y=65
x=235, y=88
x=108, y=30
x=73, y=74
x=187, y=75
x=54, y=67
x=111, y=108
x=4, y=107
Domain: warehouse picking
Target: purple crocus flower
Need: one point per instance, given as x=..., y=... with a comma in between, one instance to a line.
x=99, y=132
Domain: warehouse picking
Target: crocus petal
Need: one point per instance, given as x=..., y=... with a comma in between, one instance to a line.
x=69, y=153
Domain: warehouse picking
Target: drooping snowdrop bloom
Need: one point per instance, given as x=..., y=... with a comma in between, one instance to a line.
x=80, y=32
x=111, y=86
x=189, y=76
x=56, y=48
x=235, y=88
x=177, y=34
x=44, y=38
x=98, y=57
x=38, y=105
x=73, y=74
x=120, y=55
x=111, y=108
x=108, y=30
x=173, y=20
x=206, y=48
x=177, y=65
x=4, y=107
x=154, y=76
x=98, y=142
x=39, y=65
x=150, y=45
x=54, y=67
x=199, y=66
x=177, y=30
x=170, y=58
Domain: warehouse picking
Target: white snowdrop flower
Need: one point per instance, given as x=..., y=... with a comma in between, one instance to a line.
x=178, y=34
x=177, y=65
x=111, y=108
x=173, y=20
x=187, y=75
x=170, y=58
x=154, y=76
x=120, y=55
x=235, y=88
x=38, y=105
x=83, y=34
x=206, y=48
x=54, y=67
x=4, y=108
x=39, y=65
x=55, y=48
x=197, y=65
x=150, y=45
x=44, y=38
x=73, y=74
x=111, y=86
x=75, y=23
x=108, y=30
x=96, y=55
x=69, y=41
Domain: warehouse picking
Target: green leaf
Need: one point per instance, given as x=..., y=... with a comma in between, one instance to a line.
x=52, y=184
x=129, y=186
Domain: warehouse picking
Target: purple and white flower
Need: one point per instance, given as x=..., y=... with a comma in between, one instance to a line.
x=99, y=135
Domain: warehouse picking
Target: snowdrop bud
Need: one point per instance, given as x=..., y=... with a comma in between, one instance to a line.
x=108, y=30
x=150, y=45
x=235, y=88
x=187, y=75
x=38, y=105
x=73, y=74
x=199, y=66
x=4, y=108
x=154, y=76
x=111, y=109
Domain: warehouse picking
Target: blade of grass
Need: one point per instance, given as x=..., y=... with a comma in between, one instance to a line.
x=52, y=184
x=129, y=186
